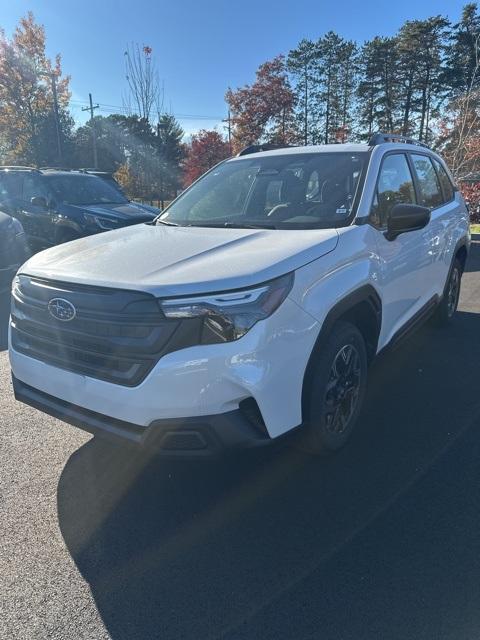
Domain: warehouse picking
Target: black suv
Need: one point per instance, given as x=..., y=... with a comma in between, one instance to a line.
x=56, y=206
x=14, y=251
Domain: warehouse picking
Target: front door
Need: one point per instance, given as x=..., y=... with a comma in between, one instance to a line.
x=37, y=218
x=406, y=270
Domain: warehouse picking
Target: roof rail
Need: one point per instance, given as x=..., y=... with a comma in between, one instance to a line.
x=96, y=172
x=57, y=169
x=256, y=148
x=382, y=138
x=17, y=167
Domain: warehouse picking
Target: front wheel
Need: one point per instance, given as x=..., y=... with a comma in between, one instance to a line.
x=336, y=390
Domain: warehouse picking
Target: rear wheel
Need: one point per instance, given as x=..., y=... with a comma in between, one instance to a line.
x=336, y=390
x=448, y=305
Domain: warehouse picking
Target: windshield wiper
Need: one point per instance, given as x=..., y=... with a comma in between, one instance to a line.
x=234, y=225
x=167, y=222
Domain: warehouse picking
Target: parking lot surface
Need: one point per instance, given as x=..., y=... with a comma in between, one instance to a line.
x=381, y=540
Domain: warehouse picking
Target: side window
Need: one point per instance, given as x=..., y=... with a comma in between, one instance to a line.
x=430, y=192
x=445, y=182
x=395, y=185
x=10, y=185
x=33, y=187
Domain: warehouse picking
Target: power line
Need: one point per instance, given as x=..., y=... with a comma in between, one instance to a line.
x=112, y=108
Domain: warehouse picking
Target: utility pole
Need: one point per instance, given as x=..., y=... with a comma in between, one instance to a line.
x=229, y=129
x=53, y=78
x=94, y=133
x=161, y=126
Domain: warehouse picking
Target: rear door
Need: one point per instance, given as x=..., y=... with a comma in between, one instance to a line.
x=405, y=263
x=436, y=192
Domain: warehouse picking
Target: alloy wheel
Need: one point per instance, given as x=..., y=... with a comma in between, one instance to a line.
x=343, y=389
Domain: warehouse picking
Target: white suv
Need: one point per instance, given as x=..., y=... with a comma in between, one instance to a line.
x=252, y=306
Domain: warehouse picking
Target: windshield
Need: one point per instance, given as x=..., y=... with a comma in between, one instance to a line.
x=83, y=189
x=298, y=191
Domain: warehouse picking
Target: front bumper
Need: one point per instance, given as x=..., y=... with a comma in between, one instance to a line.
x=200, y=436
x=267, y=364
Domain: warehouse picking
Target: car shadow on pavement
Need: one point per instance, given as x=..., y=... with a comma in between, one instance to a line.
x=213, y=548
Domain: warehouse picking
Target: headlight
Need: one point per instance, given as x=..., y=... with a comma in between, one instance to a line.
x=15, y=283
x=228, y=316
x=98, y=221
x=16, y=226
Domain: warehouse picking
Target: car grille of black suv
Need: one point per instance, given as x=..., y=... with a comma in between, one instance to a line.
x=115, y=335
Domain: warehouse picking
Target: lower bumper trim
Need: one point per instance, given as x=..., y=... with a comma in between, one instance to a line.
x=202, y=435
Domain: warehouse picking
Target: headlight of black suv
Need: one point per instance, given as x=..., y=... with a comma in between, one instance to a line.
x=228, y=316
x=102, y=223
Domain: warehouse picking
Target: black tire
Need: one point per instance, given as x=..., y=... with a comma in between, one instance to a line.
x=336, y=389
x=447, y=307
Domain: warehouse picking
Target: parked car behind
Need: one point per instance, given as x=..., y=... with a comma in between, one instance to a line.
x=110, y=179
x=56, y=206
x=14, y=251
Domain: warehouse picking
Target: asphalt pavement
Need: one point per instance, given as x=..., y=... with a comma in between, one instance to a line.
x=381, y=541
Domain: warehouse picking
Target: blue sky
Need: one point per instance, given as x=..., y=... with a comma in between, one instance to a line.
x=201, y=46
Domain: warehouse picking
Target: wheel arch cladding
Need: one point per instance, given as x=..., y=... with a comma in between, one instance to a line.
x=461, y=254
x=362, y=308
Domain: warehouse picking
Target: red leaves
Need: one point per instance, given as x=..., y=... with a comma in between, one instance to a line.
x=263, y=110
x=206, y=149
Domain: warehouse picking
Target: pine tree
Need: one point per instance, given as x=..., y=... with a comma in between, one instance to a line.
x=378, y=87
x=461, y=64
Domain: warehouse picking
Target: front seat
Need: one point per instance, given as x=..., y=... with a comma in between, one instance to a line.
x=334, y=194
x=292, y=195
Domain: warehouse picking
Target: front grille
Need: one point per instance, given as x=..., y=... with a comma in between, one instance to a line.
x=116, y=335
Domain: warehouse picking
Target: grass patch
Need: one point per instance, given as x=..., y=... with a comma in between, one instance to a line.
x=475, y=228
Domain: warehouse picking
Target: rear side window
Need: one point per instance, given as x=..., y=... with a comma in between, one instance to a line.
x=395, y=185
x=445, y=182
x=429, y=186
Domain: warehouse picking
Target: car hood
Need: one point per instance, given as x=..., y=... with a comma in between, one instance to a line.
x=127, y=211
x=168, y=261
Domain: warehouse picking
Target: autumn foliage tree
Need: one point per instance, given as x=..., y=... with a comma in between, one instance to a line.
x=27, y=122
x=206, y=149
x=264, y=110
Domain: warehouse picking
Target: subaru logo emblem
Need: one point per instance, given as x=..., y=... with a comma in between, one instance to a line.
x=61, y=309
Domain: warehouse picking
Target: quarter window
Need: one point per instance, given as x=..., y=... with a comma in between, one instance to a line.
x=447, y=186
x=430, y=192
x=395, y=185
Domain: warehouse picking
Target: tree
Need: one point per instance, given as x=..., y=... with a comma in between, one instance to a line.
x=336, y=73
x=26, y=98
x=301, y=64
x=462, y=53
x=144, y=95
x=263, y=111
x=170, y=153
x=459, y=138
x=420, y=45
x=378, y=87
x=112, y=142
x=206, y=149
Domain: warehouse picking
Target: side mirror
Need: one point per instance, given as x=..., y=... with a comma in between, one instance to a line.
x=39, y=201
x=406, y=217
